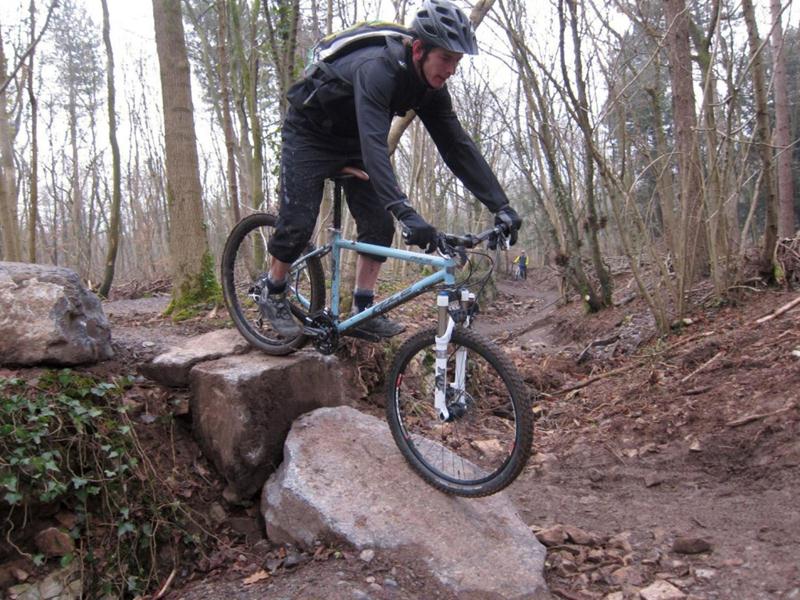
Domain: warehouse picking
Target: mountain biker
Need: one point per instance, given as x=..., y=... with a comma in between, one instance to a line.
x=521, y=263
x=339, y=115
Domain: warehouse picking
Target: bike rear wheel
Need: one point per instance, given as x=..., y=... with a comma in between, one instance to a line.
x=245, y=264
x=487, y=441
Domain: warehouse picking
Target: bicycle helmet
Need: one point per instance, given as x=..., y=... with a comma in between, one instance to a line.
x=441, y=24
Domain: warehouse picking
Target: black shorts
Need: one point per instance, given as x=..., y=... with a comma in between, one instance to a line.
x=306, y=161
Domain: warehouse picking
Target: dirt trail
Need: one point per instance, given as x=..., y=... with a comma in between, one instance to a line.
x=637, y=461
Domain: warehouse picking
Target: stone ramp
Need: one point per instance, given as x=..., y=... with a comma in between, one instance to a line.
x=343, y=479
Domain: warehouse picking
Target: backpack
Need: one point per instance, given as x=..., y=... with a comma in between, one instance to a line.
x=359, y=35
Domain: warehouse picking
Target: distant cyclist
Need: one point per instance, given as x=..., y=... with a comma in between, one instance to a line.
x=340, y=115
x=521, y=266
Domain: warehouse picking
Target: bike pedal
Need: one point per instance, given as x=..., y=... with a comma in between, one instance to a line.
x=363, y=335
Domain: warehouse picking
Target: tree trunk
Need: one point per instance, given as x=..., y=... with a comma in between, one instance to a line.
x=33, y=200
x=763, y=137
x=786, y=217
x=691, y=253
x=581, y=110
x=227, y=118
x=116, y=187
x=192, y=269
x=9, y=223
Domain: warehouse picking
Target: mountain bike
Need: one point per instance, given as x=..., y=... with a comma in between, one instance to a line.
x=456, y=406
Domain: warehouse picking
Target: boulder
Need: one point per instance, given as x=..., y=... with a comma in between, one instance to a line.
x=172, y=367
x=343, y=479
x=243, y=407
x=48, y=317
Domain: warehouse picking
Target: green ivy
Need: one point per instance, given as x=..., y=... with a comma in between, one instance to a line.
x=65, y=437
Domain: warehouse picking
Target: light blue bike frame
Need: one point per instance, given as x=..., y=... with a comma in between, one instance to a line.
x=445, y=274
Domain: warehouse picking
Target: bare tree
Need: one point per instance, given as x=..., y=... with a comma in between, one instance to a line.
x=764, y=137
x=691, y=249
x=9, y=222
x=786, y=219
x=193, y=276
x=116, y=176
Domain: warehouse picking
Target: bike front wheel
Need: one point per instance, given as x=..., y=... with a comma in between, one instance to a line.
x=486, y=441
x=245, y=264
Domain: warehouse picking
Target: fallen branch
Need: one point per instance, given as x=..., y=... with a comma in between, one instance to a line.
x=596, y=378
x=701, y=367
x=750, y=418
x=780, y=311
x=166, y=585
x=591, y=380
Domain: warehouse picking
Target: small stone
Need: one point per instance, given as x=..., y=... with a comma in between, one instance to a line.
x=652, y=480
x=552, y=536
x=621, y=541
x=686, y=545
x=367, y=555
x=705, y=573
x=580, y=537
x=54, y=542
x=66, y=519
x=661, y=590
x=390, y=583
x=360, y=595
x=375, y=587
x=148, y=344
x=20, y=574
x=627, y=576
x=615, y=596
x=23, y=591
x=370, y=579
x=217, y=513
x=51, y=587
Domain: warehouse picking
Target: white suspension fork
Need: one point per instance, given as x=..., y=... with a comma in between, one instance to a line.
x=442, y=340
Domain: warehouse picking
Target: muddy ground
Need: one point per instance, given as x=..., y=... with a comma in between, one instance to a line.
x=659, y=460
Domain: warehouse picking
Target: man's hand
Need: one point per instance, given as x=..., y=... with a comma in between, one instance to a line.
x=510, y=220
x=416, y=230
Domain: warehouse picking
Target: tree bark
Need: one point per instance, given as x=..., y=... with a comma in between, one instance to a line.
x=691, y=260
x=763, y=137
x=786, y=216
x=116, y=177
x=33, y=199
x=192, y=270
x=581, y=112
x=9, y=223
x=227, y=118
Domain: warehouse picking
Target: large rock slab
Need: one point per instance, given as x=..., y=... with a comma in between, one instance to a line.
x=48, y=317
x=172, y=367
x=343, y=479
x=243, y=407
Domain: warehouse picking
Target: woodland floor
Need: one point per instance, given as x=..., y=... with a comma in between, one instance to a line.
x=691, y=440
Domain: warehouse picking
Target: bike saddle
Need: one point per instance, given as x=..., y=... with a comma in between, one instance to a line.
x=348, y=172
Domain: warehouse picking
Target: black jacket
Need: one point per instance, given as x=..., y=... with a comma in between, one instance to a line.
x=355, y=98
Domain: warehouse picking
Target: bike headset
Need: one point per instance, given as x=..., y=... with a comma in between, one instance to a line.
x=441, y=24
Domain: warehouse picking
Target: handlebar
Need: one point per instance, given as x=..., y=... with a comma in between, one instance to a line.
x=449, y=241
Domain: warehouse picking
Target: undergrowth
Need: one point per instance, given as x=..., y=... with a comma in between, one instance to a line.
x=66, y=440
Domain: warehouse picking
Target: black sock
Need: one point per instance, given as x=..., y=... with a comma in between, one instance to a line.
x=276, y=287
x=362, y=299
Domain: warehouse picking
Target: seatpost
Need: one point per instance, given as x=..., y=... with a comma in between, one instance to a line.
x=337, y=204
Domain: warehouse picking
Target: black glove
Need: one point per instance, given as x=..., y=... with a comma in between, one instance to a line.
x=416, y=230
x=508, y=218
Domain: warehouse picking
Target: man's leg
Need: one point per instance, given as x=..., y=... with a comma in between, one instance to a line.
x=304, y=167
x=375, y=226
